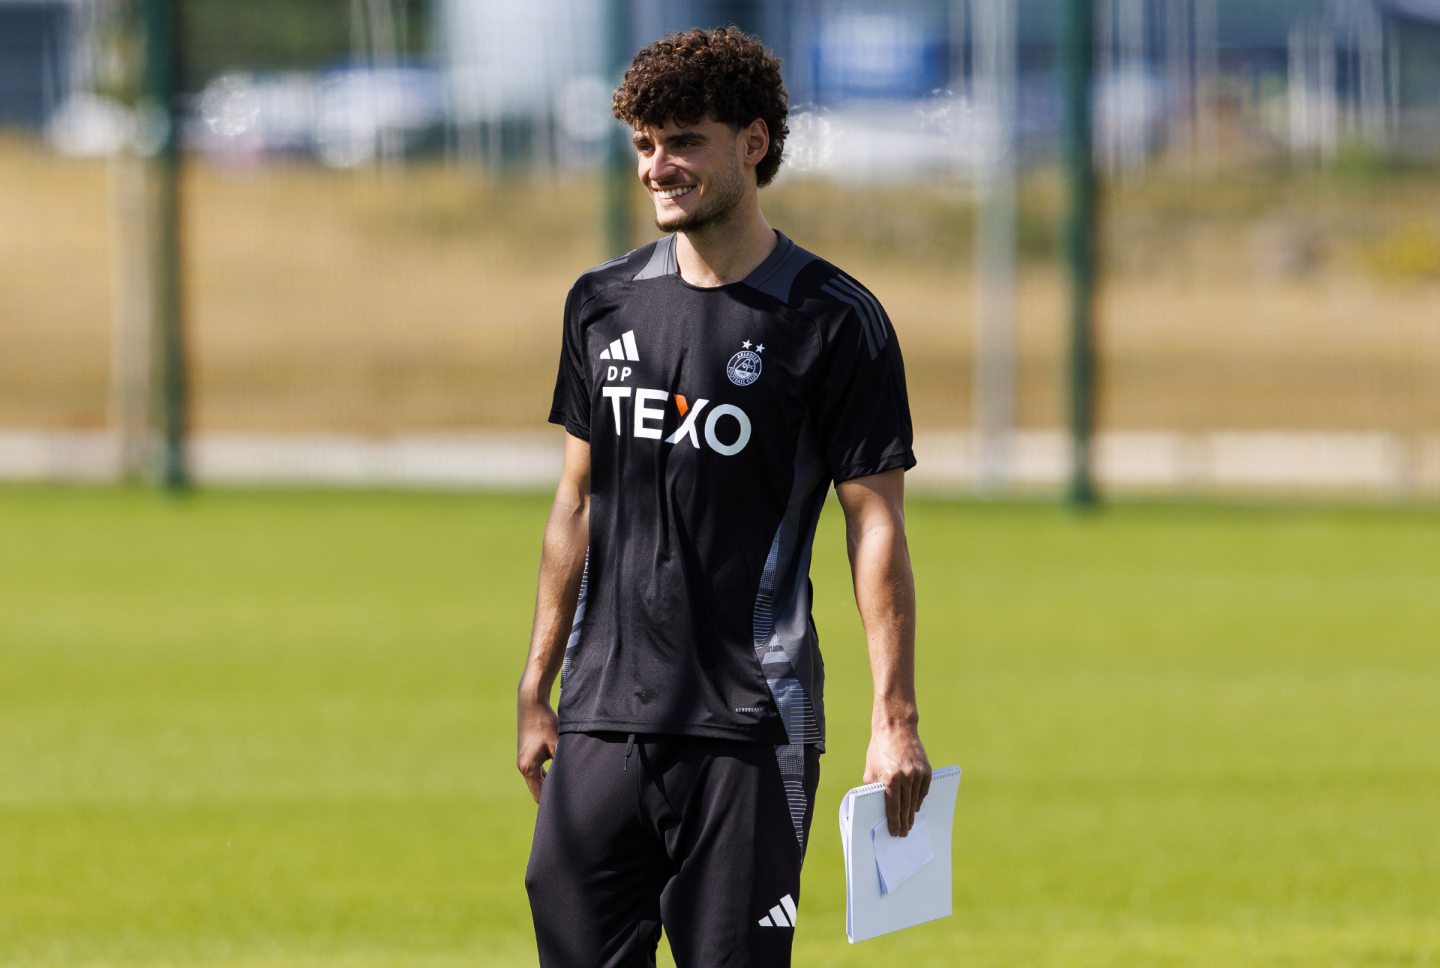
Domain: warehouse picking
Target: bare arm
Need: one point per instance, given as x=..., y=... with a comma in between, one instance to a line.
x=562, y=562
x=885, y=594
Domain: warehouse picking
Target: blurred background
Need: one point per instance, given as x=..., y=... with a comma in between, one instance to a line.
x=329, y=240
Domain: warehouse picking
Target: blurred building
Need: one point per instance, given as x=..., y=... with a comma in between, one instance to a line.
x=1415, y=26
x=534, y=82
x=37, y=59
x=877, y=90
x=1308, y=76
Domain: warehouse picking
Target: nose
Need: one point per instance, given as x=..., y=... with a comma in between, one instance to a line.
x=661, y=164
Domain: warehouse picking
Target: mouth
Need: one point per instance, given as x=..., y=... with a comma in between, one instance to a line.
x=675, y=192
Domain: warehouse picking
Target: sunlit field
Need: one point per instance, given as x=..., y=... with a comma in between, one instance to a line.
x=272, y=729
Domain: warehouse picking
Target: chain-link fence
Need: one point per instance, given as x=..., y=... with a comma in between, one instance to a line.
x=383, y=203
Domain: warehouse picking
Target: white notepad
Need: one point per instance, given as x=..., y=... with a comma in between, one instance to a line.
x=895, y=882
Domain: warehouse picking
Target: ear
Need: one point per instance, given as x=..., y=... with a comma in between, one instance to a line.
x=755, y=139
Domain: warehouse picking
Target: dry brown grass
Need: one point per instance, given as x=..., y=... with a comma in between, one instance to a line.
x=429, y=299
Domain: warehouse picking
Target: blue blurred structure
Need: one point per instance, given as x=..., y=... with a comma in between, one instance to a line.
x=36, y=58
x=522, y=85
x=529, y=82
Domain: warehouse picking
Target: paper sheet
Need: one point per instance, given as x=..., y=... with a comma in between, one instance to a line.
x=897, y=859
x=892, y=883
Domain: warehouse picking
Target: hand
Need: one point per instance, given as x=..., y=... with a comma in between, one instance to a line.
x=536, y=736
x=896, y=758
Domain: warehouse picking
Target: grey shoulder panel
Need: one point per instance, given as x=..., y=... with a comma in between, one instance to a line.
x=612, y=273
x=776, y=275
x=867, y=309
x=618, y=260
x=662, y=261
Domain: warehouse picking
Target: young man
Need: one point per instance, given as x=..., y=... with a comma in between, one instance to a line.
x=712, y=386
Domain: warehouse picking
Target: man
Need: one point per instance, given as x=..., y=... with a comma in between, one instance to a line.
x=712, y=386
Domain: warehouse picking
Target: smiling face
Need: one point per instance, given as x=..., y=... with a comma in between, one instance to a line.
x=696, y=175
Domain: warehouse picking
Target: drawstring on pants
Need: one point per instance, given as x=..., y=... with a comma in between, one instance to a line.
x=629, y=748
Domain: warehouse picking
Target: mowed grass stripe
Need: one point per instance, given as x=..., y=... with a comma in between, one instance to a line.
x=276, y=729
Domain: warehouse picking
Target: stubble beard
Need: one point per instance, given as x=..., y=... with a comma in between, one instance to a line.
x=725, y=197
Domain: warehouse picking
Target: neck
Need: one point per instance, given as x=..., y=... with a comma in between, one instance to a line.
x=726, y=251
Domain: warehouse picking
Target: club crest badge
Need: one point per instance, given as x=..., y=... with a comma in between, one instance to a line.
x=744, y=367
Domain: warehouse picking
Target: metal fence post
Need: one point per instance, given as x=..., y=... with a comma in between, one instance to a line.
x=1077, y=25
x=995, y=40
x=160, y=141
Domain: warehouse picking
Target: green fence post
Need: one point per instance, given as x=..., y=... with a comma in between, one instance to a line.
x=1077, y=26
x=160, y=118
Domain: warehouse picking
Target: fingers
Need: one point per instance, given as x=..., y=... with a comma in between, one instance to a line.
x=532, y=767
x=535, y=743
x=904, y=793
x=899, y=815
x=530, y=761
x=534, y=779
x=897, y=760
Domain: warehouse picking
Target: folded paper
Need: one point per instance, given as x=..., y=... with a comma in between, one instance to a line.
x=897, y=859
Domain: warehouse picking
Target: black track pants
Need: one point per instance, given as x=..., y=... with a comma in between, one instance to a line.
x=699, y=835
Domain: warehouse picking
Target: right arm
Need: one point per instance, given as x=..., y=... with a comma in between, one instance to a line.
x=562, y=563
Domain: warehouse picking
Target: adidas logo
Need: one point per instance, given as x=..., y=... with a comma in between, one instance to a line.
x=622, y=349
x=781, y=915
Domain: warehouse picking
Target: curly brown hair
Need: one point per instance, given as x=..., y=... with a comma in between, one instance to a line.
x=722, y=72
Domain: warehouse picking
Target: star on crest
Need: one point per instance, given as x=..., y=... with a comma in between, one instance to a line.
x=760, y=348
x=746, y=344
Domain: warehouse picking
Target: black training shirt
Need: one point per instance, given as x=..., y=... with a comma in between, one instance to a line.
x=717, y=420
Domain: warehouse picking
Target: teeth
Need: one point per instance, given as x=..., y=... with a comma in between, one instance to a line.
x=674, y=192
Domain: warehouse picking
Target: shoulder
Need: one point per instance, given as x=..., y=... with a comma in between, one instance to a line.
x=642, y=263
x=805, y=282
x=834, y=301
x=830, y=291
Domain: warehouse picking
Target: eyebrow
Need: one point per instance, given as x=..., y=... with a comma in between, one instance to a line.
x=679, y=137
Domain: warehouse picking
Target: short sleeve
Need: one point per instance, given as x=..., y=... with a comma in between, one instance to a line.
x=570, y=406
x=862, y=410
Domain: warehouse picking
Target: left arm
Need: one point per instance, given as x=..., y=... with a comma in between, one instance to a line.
x=885, y=594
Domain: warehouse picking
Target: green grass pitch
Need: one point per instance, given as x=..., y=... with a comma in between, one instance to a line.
x=276, y=729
